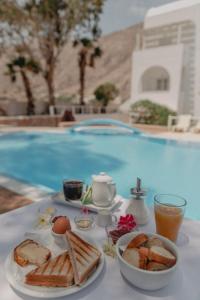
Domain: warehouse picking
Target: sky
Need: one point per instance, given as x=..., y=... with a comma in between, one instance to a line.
x=120, y=14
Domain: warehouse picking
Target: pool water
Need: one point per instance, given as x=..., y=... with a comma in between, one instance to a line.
x=48, y=158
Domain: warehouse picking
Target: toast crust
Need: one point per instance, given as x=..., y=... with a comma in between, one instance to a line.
x=138, y=241
x=19, y=260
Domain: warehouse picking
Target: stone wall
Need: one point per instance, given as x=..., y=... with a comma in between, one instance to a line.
x=23, y=121
x=53, y=121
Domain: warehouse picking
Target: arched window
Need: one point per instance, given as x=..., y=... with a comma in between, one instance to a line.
x=155, y=79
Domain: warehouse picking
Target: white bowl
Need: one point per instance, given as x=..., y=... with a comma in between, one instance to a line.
x=146, y=280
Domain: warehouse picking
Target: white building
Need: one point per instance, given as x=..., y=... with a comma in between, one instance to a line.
x=166, y=64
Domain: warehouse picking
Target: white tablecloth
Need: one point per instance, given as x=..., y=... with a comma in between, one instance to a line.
x=110, y=284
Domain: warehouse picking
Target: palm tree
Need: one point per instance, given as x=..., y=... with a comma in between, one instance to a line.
x=22, y=65
x=87, y=55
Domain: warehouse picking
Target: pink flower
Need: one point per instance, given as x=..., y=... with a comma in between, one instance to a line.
x=127, y=222
x=84, y=210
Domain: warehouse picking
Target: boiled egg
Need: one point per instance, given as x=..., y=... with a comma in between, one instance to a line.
x=61, y=225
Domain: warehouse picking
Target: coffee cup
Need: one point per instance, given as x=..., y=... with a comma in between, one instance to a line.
x=105, y=218
x=73, y=189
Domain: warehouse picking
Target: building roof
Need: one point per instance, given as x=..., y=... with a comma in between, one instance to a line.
x=171, y=7
x=174, y=12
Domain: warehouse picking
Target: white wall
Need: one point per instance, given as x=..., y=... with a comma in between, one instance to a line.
x=168, y=57
x=197, y=67
x=175, y=13
x=172, y=13
x=19, y=108
x=14, y=108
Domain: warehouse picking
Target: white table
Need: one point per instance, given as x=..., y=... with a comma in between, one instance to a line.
x=110, y=284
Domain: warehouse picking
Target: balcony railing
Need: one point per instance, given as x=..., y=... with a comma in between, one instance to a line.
x=82, y=109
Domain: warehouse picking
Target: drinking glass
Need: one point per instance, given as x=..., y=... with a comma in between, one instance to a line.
x=73, y=189
x=84, y=221
x=169, y=211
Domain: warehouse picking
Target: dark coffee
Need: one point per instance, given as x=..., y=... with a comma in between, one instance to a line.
x=73, y=189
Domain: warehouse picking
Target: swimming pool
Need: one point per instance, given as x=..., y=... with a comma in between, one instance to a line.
x=48, y=158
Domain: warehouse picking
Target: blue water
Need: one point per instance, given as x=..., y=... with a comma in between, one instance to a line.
x=48, y=158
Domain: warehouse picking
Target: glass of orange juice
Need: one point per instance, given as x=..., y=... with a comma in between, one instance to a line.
x=169, y=211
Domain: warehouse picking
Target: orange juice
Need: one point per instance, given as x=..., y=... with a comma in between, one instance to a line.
x=168, y=221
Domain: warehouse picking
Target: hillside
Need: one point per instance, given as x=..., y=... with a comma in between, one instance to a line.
x=114, y=66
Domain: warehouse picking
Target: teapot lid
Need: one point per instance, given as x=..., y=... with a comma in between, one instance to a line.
x=102, y=177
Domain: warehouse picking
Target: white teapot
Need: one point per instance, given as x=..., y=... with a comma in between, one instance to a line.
x=103, y=190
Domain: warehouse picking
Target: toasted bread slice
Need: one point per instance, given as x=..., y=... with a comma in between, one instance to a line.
x=135, y=258
x=57, y=272
x=162, y=255
x=84, y=257
x=144, y=252
x=154, y=241
x=138, y=241
x=31, y=252
x=154, y=266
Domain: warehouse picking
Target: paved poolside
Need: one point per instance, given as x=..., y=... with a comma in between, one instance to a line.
x=186, y=137
x=157, y=131
x=15, y=193
x=10, y=200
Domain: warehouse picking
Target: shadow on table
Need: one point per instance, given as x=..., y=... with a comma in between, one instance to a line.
x=77, y=295
x=183, y=239
x=171, y=290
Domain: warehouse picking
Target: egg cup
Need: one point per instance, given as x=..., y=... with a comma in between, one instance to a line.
x=60, y=239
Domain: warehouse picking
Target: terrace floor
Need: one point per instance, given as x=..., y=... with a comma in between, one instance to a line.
x=10, y=200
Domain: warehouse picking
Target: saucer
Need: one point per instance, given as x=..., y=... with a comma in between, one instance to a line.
x=59, y=198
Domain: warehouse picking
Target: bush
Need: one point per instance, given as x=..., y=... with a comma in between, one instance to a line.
x=106, y=92
x=147, y=112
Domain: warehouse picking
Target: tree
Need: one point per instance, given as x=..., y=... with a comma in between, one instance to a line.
x=53, y=22
x=87, y=41
x=43, y=27
x=16, y=38
x=37, y=28
x=86, y=57
x=106, y=92
x=22, y=65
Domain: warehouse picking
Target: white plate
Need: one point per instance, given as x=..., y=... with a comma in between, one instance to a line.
x=16, y=275
x=59, y=198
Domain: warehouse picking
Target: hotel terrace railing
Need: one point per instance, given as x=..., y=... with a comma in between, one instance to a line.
x=82, y=109
x=173, y=121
